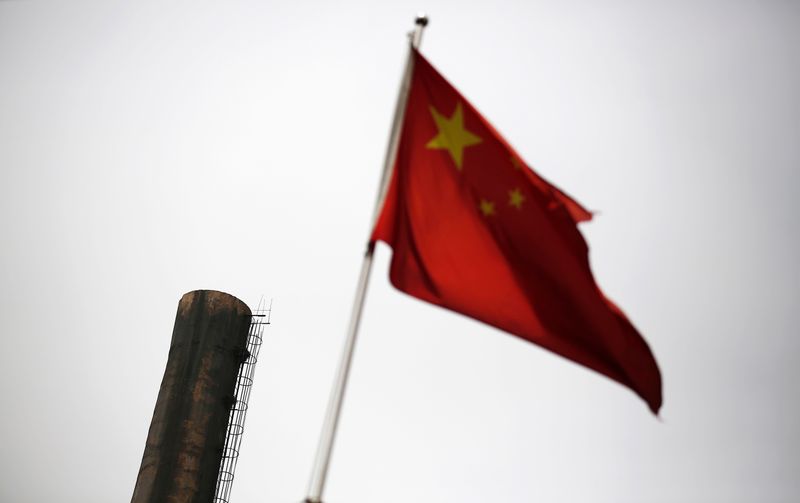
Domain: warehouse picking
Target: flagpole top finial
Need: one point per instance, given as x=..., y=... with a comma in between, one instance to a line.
x=421, y=19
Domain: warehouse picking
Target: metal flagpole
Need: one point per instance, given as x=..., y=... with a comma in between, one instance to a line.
x=326, y=438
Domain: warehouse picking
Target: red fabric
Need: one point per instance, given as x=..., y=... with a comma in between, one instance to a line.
x=522, y=268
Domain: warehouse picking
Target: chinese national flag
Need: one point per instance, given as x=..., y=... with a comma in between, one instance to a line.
x=475, y=230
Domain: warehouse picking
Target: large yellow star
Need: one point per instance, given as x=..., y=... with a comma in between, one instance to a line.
x=452, y=135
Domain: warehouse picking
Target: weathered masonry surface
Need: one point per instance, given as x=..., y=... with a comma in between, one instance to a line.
x=187, y=433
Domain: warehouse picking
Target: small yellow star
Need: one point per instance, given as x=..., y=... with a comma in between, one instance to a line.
x=515, y=198
x=487, y=207
x=452, y=135
x=516, y=162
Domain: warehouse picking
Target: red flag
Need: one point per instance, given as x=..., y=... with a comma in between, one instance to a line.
x=475, y=230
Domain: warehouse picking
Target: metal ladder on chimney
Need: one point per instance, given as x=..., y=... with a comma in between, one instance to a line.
x=244, y=384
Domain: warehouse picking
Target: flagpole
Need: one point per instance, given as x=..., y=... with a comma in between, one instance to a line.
x=325, y=447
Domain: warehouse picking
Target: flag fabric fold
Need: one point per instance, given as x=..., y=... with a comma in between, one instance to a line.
x=473, y=229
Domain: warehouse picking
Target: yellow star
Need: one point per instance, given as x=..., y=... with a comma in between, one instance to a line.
x=487, y=207
x=452, y=135
x=516, y=162
x=515, y=198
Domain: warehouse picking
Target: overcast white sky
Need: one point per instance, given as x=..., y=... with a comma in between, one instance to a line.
x=151, y=148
